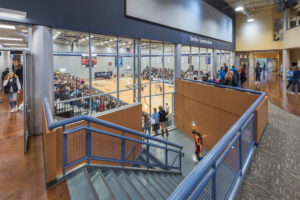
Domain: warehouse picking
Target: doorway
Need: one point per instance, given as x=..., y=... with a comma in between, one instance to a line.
x=15, y=70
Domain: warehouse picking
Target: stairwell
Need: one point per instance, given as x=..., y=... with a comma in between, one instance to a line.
x=136, y=182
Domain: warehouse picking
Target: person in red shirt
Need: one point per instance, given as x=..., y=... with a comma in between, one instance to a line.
x=199, y=144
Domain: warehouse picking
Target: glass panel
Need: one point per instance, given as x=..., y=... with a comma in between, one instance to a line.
x=209, y=60
x=218, y=52
x=156, y=68
x=169, y=103
x=156, y=101
x=145, y=104
x=195, y=62
x=185, y=62
x=126, y=69
x=145, y=71
x=126, y=97
x=71, y=77
x=69, y=41
x=104, y=62
x=203, y=61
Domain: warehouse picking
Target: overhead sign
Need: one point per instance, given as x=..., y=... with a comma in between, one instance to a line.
x=200, y=40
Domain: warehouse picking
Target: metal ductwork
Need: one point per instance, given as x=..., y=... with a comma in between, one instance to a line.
x=291, y=3
x=280, y=4
x=283, y=4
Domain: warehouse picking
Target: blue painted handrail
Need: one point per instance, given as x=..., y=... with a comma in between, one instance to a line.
x=190, y=183
x=52, y=125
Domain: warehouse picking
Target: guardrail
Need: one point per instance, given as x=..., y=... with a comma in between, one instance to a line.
x=86, y=142
x=220, y=171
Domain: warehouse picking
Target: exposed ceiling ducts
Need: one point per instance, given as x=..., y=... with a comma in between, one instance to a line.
x=282, y=4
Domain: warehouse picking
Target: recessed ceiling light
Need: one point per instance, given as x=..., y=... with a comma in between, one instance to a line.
x=239, y=6
x=237, y=9
x=11, y=39
x=12, y=13
x=19, y=45
x=251, y=20
x=25, y=31
x=5, y=26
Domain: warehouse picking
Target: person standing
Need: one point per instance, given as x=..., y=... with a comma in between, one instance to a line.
x=236, y=75
x=155, y=117
x=199, y=145
x=289, y=74
x=12, y=86
x=147, y=124
x=222, y=75
x=163, y=121
x=225, y=68
x=257, y=74
x=243, y=77
x=167, y=108
x=264, y=67
x=296, y=80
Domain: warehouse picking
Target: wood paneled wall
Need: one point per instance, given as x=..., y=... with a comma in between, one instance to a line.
x=213, y=109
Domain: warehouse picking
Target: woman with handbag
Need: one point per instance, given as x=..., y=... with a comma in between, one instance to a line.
x=12, y=87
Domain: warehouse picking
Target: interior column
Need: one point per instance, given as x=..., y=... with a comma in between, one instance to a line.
x=42, y=72
x=285, y=52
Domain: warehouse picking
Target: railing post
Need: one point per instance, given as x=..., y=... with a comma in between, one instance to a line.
x=123, y=149
x=148, y=153
x=180, y=161
x=213, y=182
x=253, y=128
x=240, y=153
x=88, y=143
x=64, y=150
x=166, y=156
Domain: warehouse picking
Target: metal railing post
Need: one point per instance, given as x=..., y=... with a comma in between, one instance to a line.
x=240, y=153
x=88, y=143
x=166, y=156
x=214, y=184
x=148, y=153
x=64, y=151
x=180, y=161
x=253, y=129
x=123, y=149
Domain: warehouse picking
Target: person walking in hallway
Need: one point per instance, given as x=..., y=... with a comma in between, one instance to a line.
x=257, y=74
x=3, y=75
x=12, y=86
x=289, y=74
x=199, y=144
x=163, y=121
x=296, y=81
x=147, y=124
x=243, y=78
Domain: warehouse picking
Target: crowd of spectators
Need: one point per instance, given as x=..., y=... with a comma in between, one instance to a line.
x=158, y=73
x=67, y=87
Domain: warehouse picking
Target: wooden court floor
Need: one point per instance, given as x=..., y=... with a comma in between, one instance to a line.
x=110, y=85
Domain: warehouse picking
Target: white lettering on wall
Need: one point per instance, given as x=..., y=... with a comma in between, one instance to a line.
x=200, y=40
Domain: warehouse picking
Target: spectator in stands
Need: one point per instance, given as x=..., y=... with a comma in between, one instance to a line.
x=163, y=121
x=155, y=117
x=243, y=77
x=289, y=74
x=12, y=86
x=147, y=124
x=199, y=144
x=296, y=80
x=222, y=75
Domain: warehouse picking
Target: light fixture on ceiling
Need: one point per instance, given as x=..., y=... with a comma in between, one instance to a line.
x=17, y=45
x=11, y=39
x=6, y=26
x=250, y=18
x=25, y=31
x=239, y=6
x=12, y=13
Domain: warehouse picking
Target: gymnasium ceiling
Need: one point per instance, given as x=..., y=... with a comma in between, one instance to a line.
x=251, y=5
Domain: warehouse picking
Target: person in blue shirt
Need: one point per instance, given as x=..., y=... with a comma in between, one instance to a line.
x=236, y=75
x=155, y=117
x=296, y=80
x=289, y=74
x=222, y=75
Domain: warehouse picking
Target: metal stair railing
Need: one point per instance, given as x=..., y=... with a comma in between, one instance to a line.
x=220, y=172
x=86, y=143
